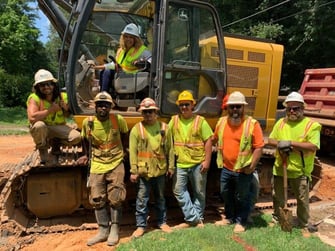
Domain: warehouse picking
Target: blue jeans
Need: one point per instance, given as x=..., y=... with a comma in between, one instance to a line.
x=106, y=80
x=193, y=209
x=254, y=190
x=235, y=191
x=144, y=187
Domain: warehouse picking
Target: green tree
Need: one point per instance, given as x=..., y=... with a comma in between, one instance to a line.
x=21, y=53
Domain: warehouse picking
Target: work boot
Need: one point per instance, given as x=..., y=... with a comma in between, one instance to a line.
x=113, y=237
x=102, y=218
x=43, y=155
x=138, y=232
x=55, y=147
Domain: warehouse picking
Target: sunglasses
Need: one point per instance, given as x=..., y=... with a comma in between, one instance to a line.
x=294, y=108
x=147, y=111
x=45, y=84
x=103, y=104
x=235, y=107
x=184, y=105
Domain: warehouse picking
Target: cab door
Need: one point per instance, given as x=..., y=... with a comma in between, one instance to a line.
x=189, y=37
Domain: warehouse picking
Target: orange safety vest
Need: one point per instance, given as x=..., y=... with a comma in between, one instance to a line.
x=245, y=152
x=151, y=162
x=189, y=149
x=105, y=151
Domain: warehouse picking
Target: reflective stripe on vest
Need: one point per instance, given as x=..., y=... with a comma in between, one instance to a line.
x=114, y=141
x=245, y=154
x=195, y=129
x=189, y=148
x=150, y=154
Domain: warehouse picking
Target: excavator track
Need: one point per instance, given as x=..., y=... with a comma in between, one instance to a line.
x=53, y=198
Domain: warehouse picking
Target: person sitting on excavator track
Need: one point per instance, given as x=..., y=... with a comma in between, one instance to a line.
x=131, y=57
x=47, y=109
x=102, y=137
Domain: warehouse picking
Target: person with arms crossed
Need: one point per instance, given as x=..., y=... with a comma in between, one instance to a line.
x=240, y=141
x=103, y=136
x=297, y=139
x=151, y=161
x=193, y=149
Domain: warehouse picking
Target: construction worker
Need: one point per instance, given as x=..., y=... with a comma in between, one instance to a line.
x=47, y=109
x=193, y=149
x=297, y=139
x=240, y=141
x=131, y=57
x=103, y=136
x=255, y=186
x=151, y=160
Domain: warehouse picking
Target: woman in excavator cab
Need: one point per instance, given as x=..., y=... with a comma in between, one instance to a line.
x=131, y=57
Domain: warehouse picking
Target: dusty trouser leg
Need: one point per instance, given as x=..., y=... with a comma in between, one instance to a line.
x=97, y=199
x=39, y=133
x=116, y=195
x=113, y=237
x=64, y=134
x=102, y=217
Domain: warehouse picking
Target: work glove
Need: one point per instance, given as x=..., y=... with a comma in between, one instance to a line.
x=284, y=146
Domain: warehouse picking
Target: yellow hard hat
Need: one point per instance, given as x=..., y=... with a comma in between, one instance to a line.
x=185, y=96
x=43, y=76
x=104, y=97
x=148, y=104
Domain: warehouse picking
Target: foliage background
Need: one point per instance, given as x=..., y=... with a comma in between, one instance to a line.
x=304, y=27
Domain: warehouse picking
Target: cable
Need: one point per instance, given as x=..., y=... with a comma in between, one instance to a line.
x=300, y=12
x=257, y=13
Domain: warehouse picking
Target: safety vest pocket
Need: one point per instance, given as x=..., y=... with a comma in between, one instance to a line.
x=142, y=168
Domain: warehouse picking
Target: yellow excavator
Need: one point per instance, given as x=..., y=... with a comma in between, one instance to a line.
x=189, y=52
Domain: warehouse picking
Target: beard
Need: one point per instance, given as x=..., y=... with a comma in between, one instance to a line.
x=235, y=118
x=103, y=115
x=295, y=117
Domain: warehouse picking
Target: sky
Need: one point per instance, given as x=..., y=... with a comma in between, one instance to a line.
x=42, y=23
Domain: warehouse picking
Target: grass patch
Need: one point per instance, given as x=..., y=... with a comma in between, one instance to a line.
x=13, y=121
x=258, y=236
x=13, y=115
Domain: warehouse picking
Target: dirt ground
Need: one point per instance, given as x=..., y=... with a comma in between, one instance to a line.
x=14, y=149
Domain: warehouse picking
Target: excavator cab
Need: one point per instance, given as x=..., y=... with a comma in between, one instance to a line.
x=172, y=30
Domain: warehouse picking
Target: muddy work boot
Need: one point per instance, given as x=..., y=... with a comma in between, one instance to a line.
x=102, y=217
x=43, y=155
x=113, y=237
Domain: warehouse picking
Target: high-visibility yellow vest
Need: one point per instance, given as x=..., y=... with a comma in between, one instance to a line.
x=299, y=162
x=125, y=60
x=106, y=151
x=55, y=118
x=245, y=152
x=189, y=149
x=151, y=162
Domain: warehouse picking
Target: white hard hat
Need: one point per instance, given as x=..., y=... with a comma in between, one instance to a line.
x=236, y=98
x=148, y=104
x=131, y=29
x=294, y=97
x=43, y=76
x=104, y=97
